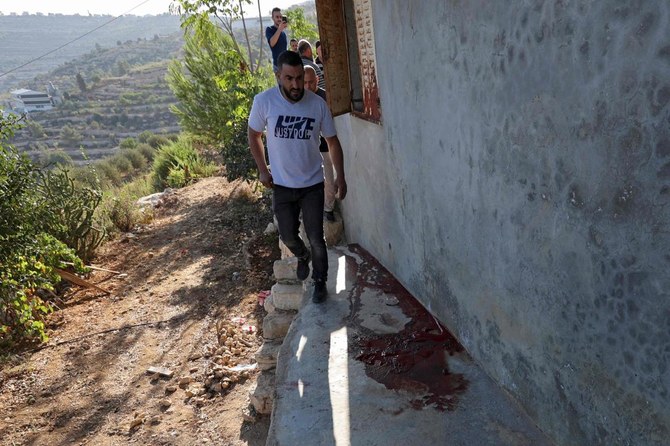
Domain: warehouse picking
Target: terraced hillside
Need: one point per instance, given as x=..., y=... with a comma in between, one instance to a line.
x=125, y=94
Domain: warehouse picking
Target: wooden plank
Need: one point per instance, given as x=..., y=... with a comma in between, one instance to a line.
x=333, y=36
x=78, y=280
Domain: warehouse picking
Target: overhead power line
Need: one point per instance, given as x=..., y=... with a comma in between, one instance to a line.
x=73, y=40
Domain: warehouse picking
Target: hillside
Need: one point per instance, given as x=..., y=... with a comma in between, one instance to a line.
x=201, y=262
x=126, y=94
x=26, y=37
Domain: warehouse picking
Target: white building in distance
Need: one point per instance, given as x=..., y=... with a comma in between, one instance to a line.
x=27, y=101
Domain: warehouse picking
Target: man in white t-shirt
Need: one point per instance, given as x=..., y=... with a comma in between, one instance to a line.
x=294, y=119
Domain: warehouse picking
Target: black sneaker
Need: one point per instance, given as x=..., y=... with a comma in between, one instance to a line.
x=303, y=267
x=320, y=292
x=330, y=215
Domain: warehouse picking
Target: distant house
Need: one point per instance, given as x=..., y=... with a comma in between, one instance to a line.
x=27, y=101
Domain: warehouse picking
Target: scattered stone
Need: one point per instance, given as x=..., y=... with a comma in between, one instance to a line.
x=165, y=403
x=171, y=388
x=185, y=381
x=270, y=229
x=193, y=369
x=162, y=371
x=249, y=414
x=156, y=419
x=391, y=301
x=194, y=356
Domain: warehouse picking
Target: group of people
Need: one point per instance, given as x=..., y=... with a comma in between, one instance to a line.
x=306, y=163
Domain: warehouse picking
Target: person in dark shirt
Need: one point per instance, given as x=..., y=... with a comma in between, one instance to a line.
x=294, y=45
x=276, y=36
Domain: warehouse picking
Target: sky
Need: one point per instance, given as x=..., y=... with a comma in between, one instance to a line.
x=117, y=7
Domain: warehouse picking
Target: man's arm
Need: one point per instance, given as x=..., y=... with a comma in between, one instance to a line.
x=275, y=37
x=337, y=157
x=258, y=152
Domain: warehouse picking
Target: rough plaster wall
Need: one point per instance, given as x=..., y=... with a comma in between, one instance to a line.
x=523, y=195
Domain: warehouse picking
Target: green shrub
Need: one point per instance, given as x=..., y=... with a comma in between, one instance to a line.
x=109, y=175
x=236, y=157
x=137, y=160
x=146, y=151
x=177, y=177
x=178, y=163
x=71, y=208
x=144, y=136
x=121, y=163
x=157, y=141
x=124, y=213
x=51, y=158
x=28, y=252
x=119, y=210
x=128, y=143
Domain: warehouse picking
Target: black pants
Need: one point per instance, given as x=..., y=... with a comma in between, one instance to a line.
x=287, y=203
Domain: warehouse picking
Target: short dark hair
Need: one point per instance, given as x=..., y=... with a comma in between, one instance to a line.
x=289, y=58
x=275, y=10
x=294, y=40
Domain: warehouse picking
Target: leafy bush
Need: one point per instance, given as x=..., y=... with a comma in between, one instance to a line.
x=71, y=209
x=28, y=253
x=51, y=158
x=128, y=143
x=236, y=156
x=144, y=136
x=146, y=151
x=157, y=141
x=121, y=163
x=178, y=163
x=136, y=159
x=109, y=175
x=119, y=209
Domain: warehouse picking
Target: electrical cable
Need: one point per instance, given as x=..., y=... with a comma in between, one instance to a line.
x=73, y=40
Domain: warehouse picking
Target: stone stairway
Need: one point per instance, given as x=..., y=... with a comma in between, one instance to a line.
x=282, y=305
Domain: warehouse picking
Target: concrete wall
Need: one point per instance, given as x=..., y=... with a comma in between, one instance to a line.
x=520, y=188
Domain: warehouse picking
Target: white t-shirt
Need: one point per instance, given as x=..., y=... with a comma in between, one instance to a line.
x=293, y=135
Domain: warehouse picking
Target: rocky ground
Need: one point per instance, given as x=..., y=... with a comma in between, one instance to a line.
x=164, y=358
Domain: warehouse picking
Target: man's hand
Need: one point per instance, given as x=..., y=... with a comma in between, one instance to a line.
x=266, y=179
x=340, y=188
x=282, y=26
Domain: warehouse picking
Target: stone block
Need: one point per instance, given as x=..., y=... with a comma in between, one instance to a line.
x=266, y=356
x=285, y=269
x=276, y=324
x=287, y=296
x=262, y=395
x=269, y=304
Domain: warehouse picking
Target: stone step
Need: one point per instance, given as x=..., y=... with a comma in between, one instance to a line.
x=262, y=394
x=287, y=296
x=276, y=324
x=269, y=304
x=266, y=356
x=285, y=269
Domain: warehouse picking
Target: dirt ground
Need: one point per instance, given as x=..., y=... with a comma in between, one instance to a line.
x=200, y=263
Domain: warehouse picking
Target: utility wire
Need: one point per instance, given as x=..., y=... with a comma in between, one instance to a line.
x=73, y=40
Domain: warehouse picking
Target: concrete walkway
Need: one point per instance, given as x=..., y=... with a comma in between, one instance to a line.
x=371, y=367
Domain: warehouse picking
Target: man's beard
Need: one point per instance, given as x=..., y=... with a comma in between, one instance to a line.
x=287, y=94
